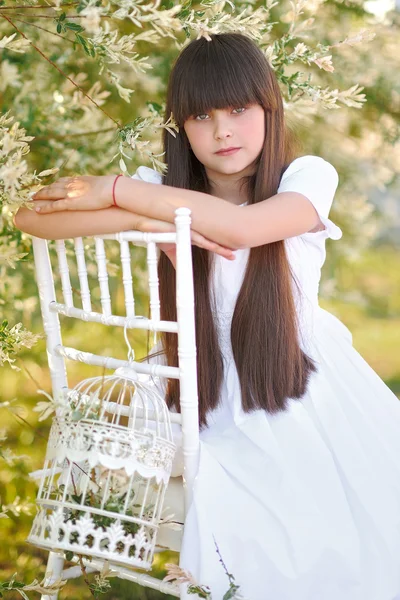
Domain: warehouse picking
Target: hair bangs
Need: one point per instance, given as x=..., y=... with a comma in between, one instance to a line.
x=212, y=75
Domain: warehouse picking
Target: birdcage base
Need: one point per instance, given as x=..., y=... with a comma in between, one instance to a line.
x=50, y=531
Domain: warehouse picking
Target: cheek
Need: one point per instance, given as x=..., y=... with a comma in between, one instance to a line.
x=255, y=132
x=197, y=137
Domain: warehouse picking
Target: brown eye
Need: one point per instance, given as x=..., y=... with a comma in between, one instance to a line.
x=202, y=115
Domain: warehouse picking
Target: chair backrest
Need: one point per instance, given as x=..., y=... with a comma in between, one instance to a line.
x=184, y=327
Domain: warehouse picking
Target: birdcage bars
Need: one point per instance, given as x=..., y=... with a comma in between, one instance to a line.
x=108, y=463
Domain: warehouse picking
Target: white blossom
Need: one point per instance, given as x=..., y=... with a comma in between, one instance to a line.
x=9, y=76
x=365, y=35
x=92, y=17
x=325, y=63
x=19, y=45
x=44, y=587
x=300, y=49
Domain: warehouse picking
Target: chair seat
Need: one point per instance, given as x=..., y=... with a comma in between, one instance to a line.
x=170, y=535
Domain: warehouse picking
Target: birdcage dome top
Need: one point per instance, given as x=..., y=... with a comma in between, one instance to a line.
x=118, y=398
x=116, y=421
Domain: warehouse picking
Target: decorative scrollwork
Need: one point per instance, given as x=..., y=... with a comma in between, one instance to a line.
x=84, y=536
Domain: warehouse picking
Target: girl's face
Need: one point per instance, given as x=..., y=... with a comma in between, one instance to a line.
x=242, y=128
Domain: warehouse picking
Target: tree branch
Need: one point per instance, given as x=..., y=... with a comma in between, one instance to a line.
x=71, y=135
x=46, y=30
x=36, y=6
x=53, y=17
x=60, y=71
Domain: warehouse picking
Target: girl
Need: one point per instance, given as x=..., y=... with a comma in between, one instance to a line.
x=299, y=473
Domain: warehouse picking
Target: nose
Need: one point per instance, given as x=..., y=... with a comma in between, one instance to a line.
x=222, y=128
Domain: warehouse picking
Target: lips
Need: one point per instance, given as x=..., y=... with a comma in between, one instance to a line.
x=230, y=150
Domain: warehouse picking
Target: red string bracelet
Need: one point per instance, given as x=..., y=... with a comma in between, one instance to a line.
x=113, y=190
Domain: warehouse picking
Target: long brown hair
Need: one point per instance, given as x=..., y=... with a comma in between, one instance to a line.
x=232, y=71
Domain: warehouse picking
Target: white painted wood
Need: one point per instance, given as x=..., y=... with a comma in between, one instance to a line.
x=178, y=494
x=108, y=362
x=153, y=284
x=51, y=323
x=187, y=352
x=53, y=572
x=137, y=322
x=143, y=579
x=127, y=278
x=83, y=275
x=114, y=408
x=103, y=277
x=64, y=273
x=140, y=238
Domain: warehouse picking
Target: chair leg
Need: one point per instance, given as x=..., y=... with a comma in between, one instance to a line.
x=54, y=570
x=143, y=579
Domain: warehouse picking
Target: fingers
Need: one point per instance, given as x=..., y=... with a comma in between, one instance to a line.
x=51, y=206
x=146, y=224
x=225, y=252
x=202, y=242
x=50, y=192
x=65, y=187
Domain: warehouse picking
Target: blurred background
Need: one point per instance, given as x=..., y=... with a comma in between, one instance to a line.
x=337, y=64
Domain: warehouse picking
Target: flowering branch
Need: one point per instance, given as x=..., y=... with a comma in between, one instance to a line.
x=43, y=29
x=60, y=71
x=62, y=136
x=24, y=7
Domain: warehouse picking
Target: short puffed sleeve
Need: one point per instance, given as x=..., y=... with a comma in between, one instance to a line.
x=149, y=175
x=317, y=179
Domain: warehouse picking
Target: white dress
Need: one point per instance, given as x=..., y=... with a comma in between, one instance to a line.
x=303, y=504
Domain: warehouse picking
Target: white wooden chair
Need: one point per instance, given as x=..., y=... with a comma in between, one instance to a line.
x=179, y=492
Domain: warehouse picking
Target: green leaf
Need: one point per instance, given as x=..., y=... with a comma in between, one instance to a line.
x=155, y=106
x=59, y=28
x=82, y=41
x=184, y=13
x=74, y=27
x=231, y=593
x=62, y=16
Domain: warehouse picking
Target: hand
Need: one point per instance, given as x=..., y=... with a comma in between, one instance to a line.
x=147, y=224
x=86, y=192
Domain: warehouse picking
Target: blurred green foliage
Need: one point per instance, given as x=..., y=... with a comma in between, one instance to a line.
x=361, y=282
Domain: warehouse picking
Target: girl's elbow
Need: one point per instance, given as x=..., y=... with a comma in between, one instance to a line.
x=239, y=241
x=238, y=236
x=21, y=219
x=27, y=221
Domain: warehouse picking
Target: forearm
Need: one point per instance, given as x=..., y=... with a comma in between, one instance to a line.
x=215, y=218
x=71, y=224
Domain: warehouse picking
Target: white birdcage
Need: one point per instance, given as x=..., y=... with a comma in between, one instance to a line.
x=108, y=464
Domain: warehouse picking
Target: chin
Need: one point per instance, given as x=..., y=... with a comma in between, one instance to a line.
x=233, y=169
x=230, y=167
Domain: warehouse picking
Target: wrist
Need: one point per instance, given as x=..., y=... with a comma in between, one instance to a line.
x=107, y=191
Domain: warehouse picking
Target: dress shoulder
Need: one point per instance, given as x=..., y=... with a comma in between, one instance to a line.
x=317, y=179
